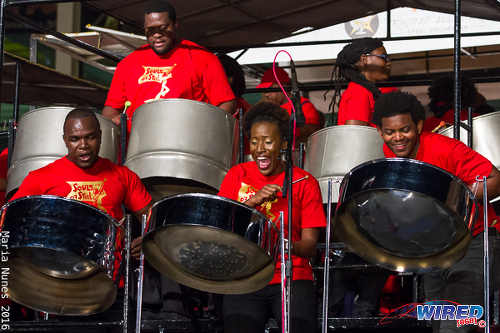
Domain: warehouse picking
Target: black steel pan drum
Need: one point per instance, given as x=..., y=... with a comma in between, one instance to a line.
x=211, y=243
x=405, y=215
x=61, y=255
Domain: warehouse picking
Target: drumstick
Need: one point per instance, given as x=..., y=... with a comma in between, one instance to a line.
x=300, y=179
x=441, y=124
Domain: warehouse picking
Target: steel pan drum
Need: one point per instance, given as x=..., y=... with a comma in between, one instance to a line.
x=181, y=139
x=333, y=151
x=39, y=142
x=405, y=215
x=61, y=255
x=211, y=243
x=485, y=136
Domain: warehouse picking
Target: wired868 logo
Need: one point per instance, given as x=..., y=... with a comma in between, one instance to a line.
x=463, y=314
x=441, y=310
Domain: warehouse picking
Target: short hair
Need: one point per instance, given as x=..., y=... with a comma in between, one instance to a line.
x=395, y=103
x=267, y=112
x=161, y=6
x=234, y=70
x=79, y=113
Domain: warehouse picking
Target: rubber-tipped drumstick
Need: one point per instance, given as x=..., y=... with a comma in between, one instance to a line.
x=441, y=124
x=127, y=104
x=300, y=179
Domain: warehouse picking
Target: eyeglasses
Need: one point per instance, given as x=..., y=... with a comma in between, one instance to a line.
x=384, y=57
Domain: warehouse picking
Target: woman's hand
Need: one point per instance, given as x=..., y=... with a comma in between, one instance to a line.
x=267, y=193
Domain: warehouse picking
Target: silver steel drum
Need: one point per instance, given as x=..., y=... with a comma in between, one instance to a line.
x=61, y=255
x=405, y=215
x=485, y=136
x=211, y=243
x=39, y=142
x=331, y=152
x=181, y=139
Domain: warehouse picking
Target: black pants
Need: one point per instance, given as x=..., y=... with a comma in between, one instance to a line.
x=249, y=313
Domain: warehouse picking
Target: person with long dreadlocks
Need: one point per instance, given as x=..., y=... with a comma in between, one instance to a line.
x=361, y=63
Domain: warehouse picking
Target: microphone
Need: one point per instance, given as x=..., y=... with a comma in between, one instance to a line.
x=299, y=115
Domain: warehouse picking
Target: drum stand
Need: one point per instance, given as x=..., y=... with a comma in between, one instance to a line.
x=486, y=259
x=326, y=272
x=44, y=325
x=140, y=280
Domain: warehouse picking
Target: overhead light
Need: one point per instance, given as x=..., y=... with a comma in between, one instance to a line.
x=302, y=30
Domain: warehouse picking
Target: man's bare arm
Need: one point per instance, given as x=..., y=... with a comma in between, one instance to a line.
x=111, y=114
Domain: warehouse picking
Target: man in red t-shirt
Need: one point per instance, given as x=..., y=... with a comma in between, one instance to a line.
x=399, y=118
x=84, y=176
x=311, y=115
x=166, y=68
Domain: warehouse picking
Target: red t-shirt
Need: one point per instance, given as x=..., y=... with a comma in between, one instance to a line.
x=187, y=71
x=449, y=118
x=105, y=185
x=456, y=158
x=310, y=113
x=3, y=171
x=244, y=180
x=357, y=103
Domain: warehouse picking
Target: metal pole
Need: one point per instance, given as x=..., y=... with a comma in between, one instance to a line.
x=140, y=281
x=470, y=132
x=15, y=109
x=128, y=242
x=302, y=149
x=388, y=18
x=326, y=273
x=456, y=68
x=241, y=135
x=284, y=285
x=3, y=5
x=486, y=259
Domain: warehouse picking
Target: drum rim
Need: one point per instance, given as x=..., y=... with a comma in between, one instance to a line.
x=69, y=109
x=210, y=196
x=343, y=128
x=183, y=100
x=50, y=196
x=414, y=161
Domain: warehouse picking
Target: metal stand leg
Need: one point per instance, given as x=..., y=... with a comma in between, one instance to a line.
x=486, y=261
x=128, y=241
x=326, y=273
x=285, y=292
x=140, y=282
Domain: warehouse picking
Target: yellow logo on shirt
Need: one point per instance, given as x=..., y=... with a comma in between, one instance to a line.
x=89, y=192
x=157, y=74
x=247, y=191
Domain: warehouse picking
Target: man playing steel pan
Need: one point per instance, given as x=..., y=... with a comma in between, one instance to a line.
x=258, y=184
x=167, y=67
x=84, y=176
x=399, y=118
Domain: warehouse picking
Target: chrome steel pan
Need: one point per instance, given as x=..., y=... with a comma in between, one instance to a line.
x=333, y=151
x=211, y=243
x=39, y=142
x=62, y=244
x=405, y=215
x=182, y=139
x=486, y=136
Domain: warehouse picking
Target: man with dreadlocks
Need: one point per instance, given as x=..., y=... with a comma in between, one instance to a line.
x=361, y=63
x=441, y=94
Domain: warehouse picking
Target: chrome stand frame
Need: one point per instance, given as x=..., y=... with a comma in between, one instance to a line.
x=486, y=257
x=326, y=272
x=140, y=280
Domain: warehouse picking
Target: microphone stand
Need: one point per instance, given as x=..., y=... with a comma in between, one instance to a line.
x=287, y=192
